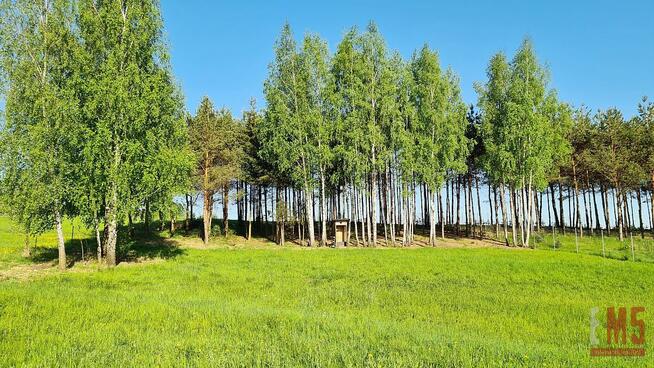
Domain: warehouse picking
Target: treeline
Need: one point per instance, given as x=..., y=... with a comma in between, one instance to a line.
x=389, y=144
x=95, y=128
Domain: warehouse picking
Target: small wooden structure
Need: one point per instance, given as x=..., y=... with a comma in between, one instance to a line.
x=341, y=232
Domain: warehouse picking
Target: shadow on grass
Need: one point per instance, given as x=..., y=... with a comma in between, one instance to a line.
x=142, y=245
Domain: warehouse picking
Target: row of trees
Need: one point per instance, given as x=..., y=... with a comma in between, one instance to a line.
x=367, y=135
x=95, y=128
x=94, y=123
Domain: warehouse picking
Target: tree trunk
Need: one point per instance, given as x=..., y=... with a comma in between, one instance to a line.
x=391, y=214
x=207, y=215
x=440, y=214
x=323, y=209
x=597, y=220
x=226, y=209
x=504, y=219
x=577, y=211
x=554, y=211
x=495, y=210
x=172, y=223
x=481, y=221
x=60, y=240
x=355, y=213
x=512, y=203
x=112, y=235
x=367, y=206
x=187, y=213
x=640, y=214
x=308, y=197
x=373, y=198
x=458, y=205
x=620, y=206
x=605, y=205
x=432, y=218
x=561, y=216
x=97, y=239
x=27, y=250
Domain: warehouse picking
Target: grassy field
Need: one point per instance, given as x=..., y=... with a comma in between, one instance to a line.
x=258, y=304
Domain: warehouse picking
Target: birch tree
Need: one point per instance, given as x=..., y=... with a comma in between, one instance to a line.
x=134, y=117
x=40, y=138
x=284, y=132
x=440, y=132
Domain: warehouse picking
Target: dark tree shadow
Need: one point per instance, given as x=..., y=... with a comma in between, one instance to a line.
x=141, y=245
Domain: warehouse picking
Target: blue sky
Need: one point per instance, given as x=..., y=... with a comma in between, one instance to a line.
x=600, y=53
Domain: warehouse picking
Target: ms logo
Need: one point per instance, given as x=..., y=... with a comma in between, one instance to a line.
x=618, y=342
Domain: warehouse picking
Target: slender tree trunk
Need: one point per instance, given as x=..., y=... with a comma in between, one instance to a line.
x=383, y=200
x=491, y=205
x=620, y=217
x=355, y=209
x=570, y=211
x=440, y=214
x=369, y=222
x=226, y=209
x=577, y=211
x=554, y=211
x=187, y=219
x=598, y=227
x=605, y=205
x=323, y=209
x=561, y=217
x=207, y=215
x=481, y=221
x=640, y=214
x=172, y=223
x=308, y=196
x=391, y=192
x=458, y=205
x=504, y=219
x=512, y=203
x=60, y=240
x=549, y=208
x=497, y=218
x=447, y=201
x=432, y=218
x=27, y=250
x=112, y=235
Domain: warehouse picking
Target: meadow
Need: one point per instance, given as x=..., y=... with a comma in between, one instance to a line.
x=244, y=304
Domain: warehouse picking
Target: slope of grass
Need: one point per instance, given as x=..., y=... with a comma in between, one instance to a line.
x=270, y=306
x=643, y=248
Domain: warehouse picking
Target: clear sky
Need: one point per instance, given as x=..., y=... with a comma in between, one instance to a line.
x=600, y=53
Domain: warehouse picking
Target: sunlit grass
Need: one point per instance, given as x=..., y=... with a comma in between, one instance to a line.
x=270, y=306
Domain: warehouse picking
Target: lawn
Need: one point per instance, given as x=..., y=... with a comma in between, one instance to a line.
x=265, y=305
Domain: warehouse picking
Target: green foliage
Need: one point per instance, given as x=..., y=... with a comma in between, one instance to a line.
x=615, y=158
x=216, y=140
x=40, y=139
x=441, y=124
x=524, y=126
x=134, y=112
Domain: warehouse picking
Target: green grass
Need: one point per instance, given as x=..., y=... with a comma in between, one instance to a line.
x=643, y=250
x=270, y=306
